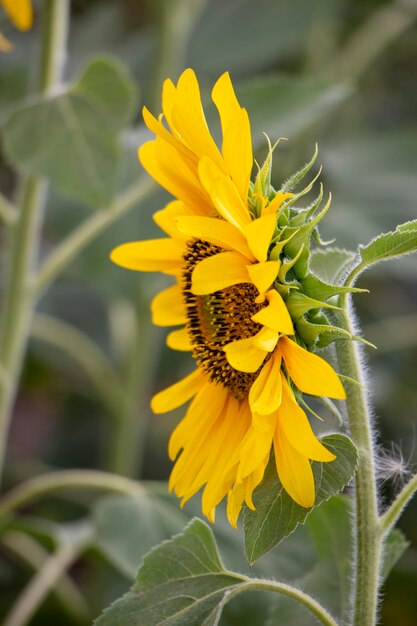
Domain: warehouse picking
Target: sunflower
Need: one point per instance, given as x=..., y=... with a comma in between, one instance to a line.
x=229, y=250
x=21, y=14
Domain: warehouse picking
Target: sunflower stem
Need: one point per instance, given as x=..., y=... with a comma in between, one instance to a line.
x=19, y=299
x=368, y=544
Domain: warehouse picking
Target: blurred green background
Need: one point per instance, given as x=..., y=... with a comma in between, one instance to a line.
x=339, y=72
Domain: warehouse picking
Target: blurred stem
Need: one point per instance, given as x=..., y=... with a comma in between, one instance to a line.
x=18, y=297
x=31, y=552
x=86, y=353
x=389, y=518
x=376, y=34
x=46, y=578
x=8, y=212
x=175, y=22
x=84, y=234
x=367, y=539
x=41, y=486
x=129, y=434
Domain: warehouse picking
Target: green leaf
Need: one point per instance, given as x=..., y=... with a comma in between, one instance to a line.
x=106, y=83
x=318, y=289
x=181, y=582
x=395, y=546
x=277, y=515
x=127, y=527
x=389, y=245
x=329, y=264
x=70, y=138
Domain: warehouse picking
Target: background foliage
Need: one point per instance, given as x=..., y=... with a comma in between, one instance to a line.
x=340, y=72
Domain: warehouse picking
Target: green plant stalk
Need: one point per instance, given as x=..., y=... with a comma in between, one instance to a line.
x=368, y=543
x=26, y=235
x=40, y=486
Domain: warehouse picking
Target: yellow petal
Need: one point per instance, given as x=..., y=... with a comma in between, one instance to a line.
x=20, y=12
x=228, y=202
x=237, y=152
x=179, y=340
x=224, y=98
x=263, y=274
x=169, y=92
x=216, y=231
x=156, y=126
x=253, y=480
x=235, y=500
x=189, y=120
x=218, y=272
x=153, y=255
x=259, y=234
x=203, y=411
x=243, y=355
x=167, y=218
x=296, y=428
x=265, y=393
x=266, y=339
x=179, y=393
x=274, y=205
x=166, y=165
x=255, y=448
x=294, y=471
x=275, y=315
x=310, y=372
x=168, y=308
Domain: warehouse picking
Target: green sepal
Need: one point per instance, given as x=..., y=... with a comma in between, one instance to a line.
x=316, y=288
x=298, y=303
x=291, y=182
x=310, y=332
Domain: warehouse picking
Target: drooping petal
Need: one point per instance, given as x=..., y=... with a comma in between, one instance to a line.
x=168, y=308
x=294, y=471
x=178, y=393
x=297, y=430
x=153, y=255
x=215, y=231
x=263, y=274
x=275, y=315
x=310, y=372
x=265, y=393
x=218, y=272
x=179, y=340
x=258, y=234
x=235, y=499
x=266, y=339
x=255, y=448
x=197, y=419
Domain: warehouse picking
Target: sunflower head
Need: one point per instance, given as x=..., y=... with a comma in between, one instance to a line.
x=244, y=299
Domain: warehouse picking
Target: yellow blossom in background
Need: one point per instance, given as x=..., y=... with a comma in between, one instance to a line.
x=21, y=14
x=224, y=251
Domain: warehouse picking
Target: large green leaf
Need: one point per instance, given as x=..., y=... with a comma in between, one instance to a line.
x=277, y=515
x=127, y=527
x=329, y=580
x=389, y=245
x=181, y=582
x=329, y=264
x=70, y=138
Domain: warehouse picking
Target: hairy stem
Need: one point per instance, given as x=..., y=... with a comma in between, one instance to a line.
x=367, y=540
x=18, y=297
x=291, y=592
x=66, y=479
